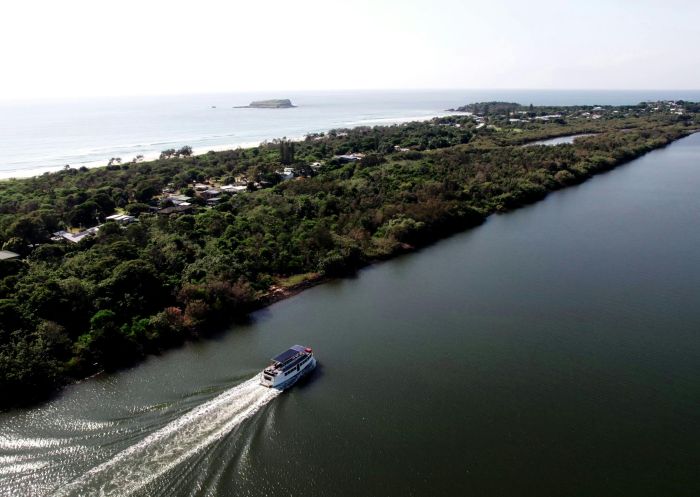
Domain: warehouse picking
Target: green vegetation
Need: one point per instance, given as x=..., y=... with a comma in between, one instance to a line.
x=69, y=309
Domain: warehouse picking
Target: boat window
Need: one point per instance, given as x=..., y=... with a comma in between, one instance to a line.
x=292, y=365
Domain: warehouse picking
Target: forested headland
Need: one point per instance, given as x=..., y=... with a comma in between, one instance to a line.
x=117, y=262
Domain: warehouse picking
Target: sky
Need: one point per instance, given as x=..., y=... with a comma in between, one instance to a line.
x=72, y=48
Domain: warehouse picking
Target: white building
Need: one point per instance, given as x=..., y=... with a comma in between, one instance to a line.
x=234, y=188
x=121, y=218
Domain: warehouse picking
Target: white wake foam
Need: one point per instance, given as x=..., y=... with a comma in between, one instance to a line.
x=140, y=464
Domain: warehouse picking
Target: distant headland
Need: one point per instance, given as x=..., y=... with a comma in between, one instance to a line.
x=282, y=103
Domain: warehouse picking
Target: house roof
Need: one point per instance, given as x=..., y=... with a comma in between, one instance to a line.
x=289, y=353
x=6, y=254
x=234, y=188
x=76, y=237
x=120, y=217
x=181, y=198
x=175, y=209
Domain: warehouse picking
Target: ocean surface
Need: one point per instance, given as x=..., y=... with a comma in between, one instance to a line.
x=552, y=351
x=41, y=136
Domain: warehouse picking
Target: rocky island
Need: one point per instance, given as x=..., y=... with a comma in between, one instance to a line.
x=282, y=103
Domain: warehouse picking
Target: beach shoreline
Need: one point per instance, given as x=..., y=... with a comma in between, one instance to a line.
x=151, y=155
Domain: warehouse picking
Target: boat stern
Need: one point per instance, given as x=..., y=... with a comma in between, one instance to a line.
x=267, y=379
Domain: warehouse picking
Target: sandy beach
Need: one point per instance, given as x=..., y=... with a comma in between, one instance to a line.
x=154, y=154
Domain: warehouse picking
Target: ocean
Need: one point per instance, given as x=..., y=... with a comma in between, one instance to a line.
x=46, y=135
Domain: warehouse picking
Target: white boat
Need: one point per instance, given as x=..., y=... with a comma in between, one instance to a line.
x=288, y=367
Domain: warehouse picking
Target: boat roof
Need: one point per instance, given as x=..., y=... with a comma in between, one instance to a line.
x=293, y=351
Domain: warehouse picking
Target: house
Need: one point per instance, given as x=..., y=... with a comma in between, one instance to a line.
x=121, y=218
x=548, y=117
x=349, y=157
x=176, y=209
x=233, y=188
x=211, y=193
x=200, y=187
x=316, y=165
x=179, y=199
x=6, y=255
x=75, y=237
x=213, y=200
x=287, y=173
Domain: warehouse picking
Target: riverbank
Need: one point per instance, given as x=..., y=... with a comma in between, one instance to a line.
x=136, y=290
x=279, y=292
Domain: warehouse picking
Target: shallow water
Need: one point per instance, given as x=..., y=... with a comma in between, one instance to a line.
x=554, y=350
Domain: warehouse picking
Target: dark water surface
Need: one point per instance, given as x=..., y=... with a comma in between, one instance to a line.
x=552, y=351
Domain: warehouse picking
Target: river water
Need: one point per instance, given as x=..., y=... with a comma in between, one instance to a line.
x=554, y=350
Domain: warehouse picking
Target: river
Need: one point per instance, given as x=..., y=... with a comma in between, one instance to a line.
x=554, y=350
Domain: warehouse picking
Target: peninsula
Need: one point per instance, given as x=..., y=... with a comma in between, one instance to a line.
x=127, y=260
x=284, y=103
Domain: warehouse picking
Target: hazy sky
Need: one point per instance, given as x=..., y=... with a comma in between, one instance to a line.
x=96, y=47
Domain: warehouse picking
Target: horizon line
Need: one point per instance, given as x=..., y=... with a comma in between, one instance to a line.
x=328, y=90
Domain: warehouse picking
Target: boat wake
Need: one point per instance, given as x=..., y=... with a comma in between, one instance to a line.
x=133, y=468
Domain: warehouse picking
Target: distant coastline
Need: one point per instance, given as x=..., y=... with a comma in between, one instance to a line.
x=40, y=134
x=196, y=151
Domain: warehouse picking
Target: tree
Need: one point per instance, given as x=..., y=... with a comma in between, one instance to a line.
x=105, y=203
x=185, y=151
x=286, y=152
x=105, y=344
x=136, y=208
x=167, y=154
x=15, y=244
x=85, y=214
x=146, y=191
x=28, y=228
x=134, y=289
